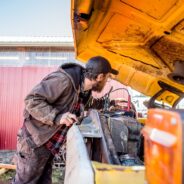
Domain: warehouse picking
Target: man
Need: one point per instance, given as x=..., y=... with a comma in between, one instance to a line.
x=50, y=108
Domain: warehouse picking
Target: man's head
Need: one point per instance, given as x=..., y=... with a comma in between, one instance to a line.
x=98, y=69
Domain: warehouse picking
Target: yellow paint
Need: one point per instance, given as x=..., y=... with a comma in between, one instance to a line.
x=140, y=39
x=141, y=120
x=110, y=174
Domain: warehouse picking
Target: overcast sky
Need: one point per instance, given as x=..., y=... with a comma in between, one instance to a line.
x=35, y=18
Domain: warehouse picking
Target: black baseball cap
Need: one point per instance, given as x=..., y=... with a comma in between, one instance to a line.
x=99, y=64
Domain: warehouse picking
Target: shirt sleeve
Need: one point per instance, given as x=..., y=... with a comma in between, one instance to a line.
x=39, y=101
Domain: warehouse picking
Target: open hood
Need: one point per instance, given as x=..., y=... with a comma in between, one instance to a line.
x=143, y=40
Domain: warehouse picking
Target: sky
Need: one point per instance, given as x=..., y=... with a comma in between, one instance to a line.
x=35, y=18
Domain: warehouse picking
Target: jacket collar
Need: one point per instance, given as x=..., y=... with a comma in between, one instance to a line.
x=75, y=73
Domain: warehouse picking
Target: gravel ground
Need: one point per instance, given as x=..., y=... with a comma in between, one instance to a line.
x=57, y=177
x=6, y=157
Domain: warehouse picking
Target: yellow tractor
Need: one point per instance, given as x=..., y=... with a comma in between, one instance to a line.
x=144, y=41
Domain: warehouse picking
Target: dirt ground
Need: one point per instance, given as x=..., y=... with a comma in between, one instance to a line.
x=6, y=157
x=57, y=177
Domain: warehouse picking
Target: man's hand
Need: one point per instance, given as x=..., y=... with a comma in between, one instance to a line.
x=68, y=119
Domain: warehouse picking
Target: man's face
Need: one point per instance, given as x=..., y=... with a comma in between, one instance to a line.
x=100, y=82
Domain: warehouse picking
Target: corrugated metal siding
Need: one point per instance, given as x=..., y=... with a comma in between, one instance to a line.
x=15, y=83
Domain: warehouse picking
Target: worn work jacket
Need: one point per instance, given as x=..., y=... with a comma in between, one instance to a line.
x=45, y=104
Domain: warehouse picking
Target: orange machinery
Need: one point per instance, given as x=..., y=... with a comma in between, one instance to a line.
x=164, y=146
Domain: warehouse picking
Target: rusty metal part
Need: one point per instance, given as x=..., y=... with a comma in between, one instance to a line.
x=104, y=148
x=108, y=138
x=178, y=74
x=107, y=149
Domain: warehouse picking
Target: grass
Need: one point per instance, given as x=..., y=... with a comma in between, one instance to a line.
x=57, y=176
x=7, y=176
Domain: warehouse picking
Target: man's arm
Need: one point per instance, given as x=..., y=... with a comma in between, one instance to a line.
x=39, y=101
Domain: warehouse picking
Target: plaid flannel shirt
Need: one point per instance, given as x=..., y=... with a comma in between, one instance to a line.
x=59, y=137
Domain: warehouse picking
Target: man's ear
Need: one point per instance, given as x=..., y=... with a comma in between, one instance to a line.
x=100, y=77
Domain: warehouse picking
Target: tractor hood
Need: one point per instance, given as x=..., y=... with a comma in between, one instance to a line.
x=143, y=40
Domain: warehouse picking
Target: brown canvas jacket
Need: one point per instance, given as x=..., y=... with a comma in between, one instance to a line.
x=45, y=105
